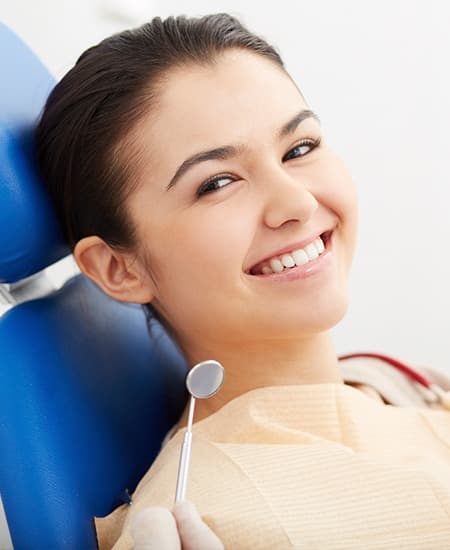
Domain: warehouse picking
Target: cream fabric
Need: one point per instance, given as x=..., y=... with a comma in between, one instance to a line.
x=313, y=466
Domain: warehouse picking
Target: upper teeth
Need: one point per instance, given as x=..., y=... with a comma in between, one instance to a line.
x=296, y=257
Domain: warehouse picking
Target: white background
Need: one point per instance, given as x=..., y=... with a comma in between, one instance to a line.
x=377, y=73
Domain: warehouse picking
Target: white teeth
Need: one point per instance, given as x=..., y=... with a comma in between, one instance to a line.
x=276, y=265
x=312, y=252
x=287, y=260
x=297, y=257
x=300, y=257
x=319, y=245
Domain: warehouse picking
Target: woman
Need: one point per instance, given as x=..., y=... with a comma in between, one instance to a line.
x=191, y=176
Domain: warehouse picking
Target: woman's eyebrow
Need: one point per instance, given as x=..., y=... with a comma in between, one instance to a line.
x=228, y=151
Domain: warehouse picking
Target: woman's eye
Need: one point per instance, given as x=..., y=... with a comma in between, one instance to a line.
x=213, y=184
x=306, y=146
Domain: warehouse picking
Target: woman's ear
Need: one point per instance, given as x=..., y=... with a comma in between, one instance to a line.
x=118, y=274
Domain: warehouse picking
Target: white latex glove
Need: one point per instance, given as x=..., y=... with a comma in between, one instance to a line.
x=156, y=528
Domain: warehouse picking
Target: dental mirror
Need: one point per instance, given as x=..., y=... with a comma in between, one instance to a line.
x=202, y=381
x=205, y=379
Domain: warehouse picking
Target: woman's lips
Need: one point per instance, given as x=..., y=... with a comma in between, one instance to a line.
x=290, y=248
x=255, y=269
x=309, y=269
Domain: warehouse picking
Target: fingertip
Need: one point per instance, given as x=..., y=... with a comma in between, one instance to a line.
x=184, y=505
x=185, y=510
x=194, y=533
x=149, y=513
x=154, y=526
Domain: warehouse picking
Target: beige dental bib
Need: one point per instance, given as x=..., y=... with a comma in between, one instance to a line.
x=308, y=466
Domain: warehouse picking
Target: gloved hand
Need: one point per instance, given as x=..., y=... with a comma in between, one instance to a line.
x=156, y=528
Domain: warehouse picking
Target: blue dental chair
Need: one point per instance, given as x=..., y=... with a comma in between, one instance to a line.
x=86, y=393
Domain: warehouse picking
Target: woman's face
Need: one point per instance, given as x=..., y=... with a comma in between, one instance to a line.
x=200, y=241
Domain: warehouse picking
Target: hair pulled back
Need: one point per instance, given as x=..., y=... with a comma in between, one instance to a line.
x=83, y=138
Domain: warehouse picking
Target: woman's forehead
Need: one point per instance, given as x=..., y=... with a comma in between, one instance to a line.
x=242, y=94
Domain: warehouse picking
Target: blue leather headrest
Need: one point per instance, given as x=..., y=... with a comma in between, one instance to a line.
x=30, y=236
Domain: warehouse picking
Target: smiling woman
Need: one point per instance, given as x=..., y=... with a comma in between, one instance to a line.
x=191, y=176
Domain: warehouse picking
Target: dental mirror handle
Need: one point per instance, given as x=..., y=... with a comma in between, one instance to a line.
x=183, y=466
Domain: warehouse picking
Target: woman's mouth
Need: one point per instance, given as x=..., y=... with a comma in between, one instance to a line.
x=302, y=259
x=298, y=263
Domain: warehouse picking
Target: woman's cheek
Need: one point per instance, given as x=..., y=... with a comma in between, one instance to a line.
x=222, y=235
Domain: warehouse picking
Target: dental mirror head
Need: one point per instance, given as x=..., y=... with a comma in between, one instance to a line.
x=205, y=379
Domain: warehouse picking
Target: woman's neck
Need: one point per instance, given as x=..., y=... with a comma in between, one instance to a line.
x=259, y=364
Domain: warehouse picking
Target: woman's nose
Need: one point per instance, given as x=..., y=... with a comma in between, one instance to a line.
x=287, y=197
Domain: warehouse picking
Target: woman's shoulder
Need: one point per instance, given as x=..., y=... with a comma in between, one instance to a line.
x=209, y=468
x=214, y=481
x=385, y=382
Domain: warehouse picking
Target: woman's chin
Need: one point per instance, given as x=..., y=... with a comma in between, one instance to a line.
x=319, y=315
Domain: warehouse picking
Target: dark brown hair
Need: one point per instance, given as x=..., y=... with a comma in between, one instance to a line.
x=83, y=140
